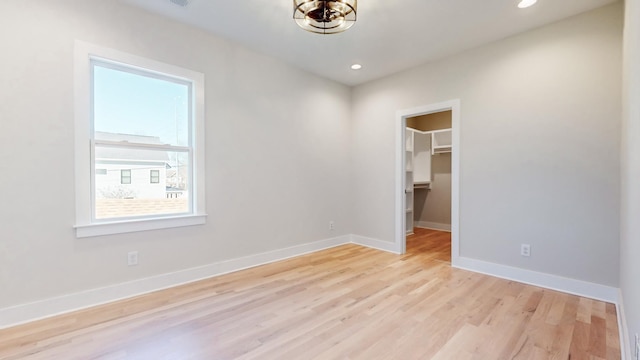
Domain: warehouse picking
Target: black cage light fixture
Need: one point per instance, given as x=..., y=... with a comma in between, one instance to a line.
x=325, y=17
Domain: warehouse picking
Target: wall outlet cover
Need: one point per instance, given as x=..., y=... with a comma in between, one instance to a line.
x=132, y=258
x=525, y=250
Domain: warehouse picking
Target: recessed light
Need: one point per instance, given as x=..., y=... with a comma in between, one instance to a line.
x=356, y=67
x=526, y=3
x=182, y=3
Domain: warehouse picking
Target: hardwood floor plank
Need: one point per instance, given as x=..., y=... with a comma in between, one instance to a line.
x=598, y=337
x=580, y=341
x=347, y=302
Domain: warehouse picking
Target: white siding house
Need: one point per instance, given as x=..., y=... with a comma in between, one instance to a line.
x=130, y=173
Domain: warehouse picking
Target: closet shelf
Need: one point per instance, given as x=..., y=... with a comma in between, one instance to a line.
x=441, y=141
x=422, y=185
x=441, y=149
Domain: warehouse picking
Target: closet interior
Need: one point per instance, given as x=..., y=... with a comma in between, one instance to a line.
x=428, y=167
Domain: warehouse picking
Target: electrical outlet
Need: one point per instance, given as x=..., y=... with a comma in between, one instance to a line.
x=525, y=250
x=132, y=258
x=331, y=226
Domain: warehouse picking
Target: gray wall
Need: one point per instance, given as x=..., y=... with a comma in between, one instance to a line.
x=276, y=174
x=540, y=137
x=433, y=206
x=540, y=150
x=630, y=229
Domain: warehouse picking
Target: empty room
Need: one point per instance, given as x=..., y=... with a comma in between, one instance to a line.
x=293, y=179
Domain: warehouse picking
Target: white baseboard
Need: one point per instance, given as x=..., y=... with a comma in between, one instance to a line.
x=625, y=341
x=37, y=310
x=553, y=282
x=433, y=226
x=41, y=309
x=374, y=243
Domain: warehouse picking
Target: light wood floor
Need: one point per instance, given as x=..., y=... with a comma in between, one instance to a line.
x=348, y=302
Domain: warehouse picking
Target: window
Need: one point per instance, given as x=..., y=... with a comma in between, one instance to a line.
x=155, y=176
x=125, y=176
x=137, y=119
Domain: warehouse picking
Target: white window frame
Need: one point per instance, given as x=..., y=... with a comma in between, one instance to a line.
x=151, y=177
x=86, y=225
x=122, y=177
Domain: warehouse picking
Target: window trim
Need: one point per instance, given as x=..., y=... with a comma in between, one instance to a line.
x=85, y=226
x=122, y=176
x=152, y=177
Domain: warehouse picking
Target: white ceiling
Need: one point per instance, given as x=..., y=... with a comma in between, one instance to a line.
x=389, y=36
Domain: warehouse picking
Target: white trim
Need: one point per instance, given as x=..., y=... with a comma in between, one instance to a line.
x=82, y=112
x=136, y=146
x=24, y=313
x=433, y=226
x=84, y=54
x=549, y=281
x=121, y=227
x=401, y=124
x=401, y=183
x=625, y=341
x=374, y=244
x=37, y=310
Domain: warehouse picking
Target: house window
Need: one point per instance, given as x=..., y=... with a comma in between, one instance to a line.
x=155, y=176
x=137, y=116
x=125, y=176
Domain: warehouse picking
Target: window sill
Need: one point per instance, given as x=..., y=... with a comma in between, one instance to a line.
x=128, y=226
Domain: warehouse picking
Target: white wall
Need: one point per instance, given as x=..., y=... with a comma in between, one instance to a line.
x=540, y=128
x=276, y=172
x=630, y=194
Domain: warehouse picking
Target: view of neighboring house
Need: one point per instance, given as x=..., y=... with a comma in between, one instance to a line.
x=133, y=182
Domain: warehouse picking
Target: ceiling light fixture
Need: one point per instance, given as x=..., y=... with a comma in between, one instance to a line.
x=356, y=67
x=526, y=3
x=325, y=17
x=182, y=3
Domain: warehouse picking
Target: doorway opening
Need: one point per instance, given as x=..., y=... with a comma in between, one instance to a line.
x=427, y=172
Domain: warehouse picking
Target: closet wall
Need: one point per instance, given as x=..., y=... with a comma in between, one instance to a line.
x=432, y=208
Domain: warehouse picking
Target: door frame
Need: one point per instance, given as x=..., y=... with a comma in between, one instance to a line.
x=401, y=124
